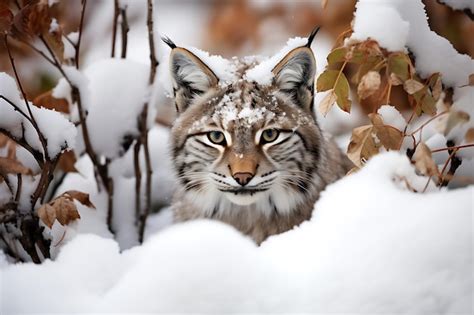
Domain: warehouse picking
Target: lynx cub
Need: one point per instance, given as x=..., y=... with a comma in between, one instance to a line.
x=249, y=154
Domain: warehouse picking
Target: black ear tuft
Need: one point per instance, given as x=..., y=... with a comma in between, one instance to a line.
x=168, y=42
x=312, y=35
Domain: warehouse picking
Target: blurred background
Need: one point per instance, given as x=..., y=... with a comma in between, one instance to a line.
x=221, y=27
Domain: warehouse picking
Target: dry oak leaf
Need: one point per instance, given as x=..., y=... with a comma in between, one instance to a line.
x=47, y=214
x=63, y=209
x=389, y=136
x=424, y=162
x=369, y=84
x=66, y=210
x=362, y=145
x=33, y=19
x=83, y=198
x=471, y=79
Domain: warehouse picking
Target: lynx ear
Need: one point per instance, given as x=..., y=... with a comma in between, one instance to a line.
x=191, y=77
x=294, y=75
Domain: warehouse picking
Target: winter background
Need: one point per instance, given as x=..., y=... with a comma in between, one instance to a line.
x=372, y=246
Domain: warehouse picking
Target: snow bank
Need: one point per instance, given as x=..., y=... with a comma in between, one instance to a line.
x=371, y=247
x=397, y=24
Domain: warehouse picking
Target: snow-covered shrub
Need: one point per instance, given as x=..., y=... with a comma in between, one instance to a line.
x=392, y=45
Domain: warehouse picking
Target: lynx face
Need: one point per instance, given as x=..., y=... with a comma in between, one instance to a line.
x=245, y=151
x=242, y=143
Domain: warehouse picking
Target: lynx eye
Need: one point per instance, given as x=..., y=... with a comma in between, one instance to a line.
x=269, y=135
x=216, y=137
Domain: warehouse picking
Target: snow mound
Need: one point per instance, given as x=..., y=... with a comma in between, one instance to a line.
x=371, y=247
x=397, y=24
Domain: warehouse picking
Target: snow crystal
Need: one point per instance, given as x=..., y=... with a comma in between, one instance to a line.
x=400, y=253
x=262, y=73
x=396, y=24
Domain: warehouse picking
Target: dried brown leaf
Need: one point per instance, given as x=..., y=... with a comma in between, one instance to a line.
x=327, y=102
x=389, y=136
x=66, y=210
x=47, y=100
x=369, y=84
x=83, y=198
x=471, y=79
x=11, y=166
x=362, y=145
x=47, y=214
x=10, y=145
x=67, y=162
x=394, y=80
x=424, y=162
x=436, y=85
x=412, y=86
x=33, y=19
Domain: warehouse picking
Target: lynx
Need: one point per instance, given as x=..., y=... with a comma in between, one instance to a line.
x=248, y=154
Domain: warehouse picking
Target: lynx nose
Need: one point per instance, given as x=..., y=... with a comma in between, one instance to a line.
x=243, y=178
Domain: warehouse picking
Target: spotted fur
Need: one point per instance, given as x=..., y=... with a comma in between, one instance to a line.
x=284, y=177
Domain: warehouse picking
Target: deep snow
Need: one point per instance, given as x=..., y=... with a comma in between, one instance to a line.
x=371, y=247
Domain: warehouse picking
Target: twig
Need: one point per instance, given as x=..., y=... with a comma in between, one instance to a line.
x=455, y=163
x=39, y=52
x=138, y=178
x=19, y=182
x=22, y=142
x=32, y=118
x=427, y=122
x=125, y=29
x=151, y=41
x=114, y=28
x=143, y=124
x=453, y=148
x=81, y=24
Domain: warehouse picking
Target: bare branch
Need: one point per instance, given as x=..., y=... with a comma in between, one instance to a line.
x=125, y=29
x=114, y=28
x=32, y=118
x=81, y=24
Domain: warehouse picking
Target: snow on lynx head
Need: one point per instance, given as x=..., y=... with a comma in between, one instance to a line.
x=249, y=153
